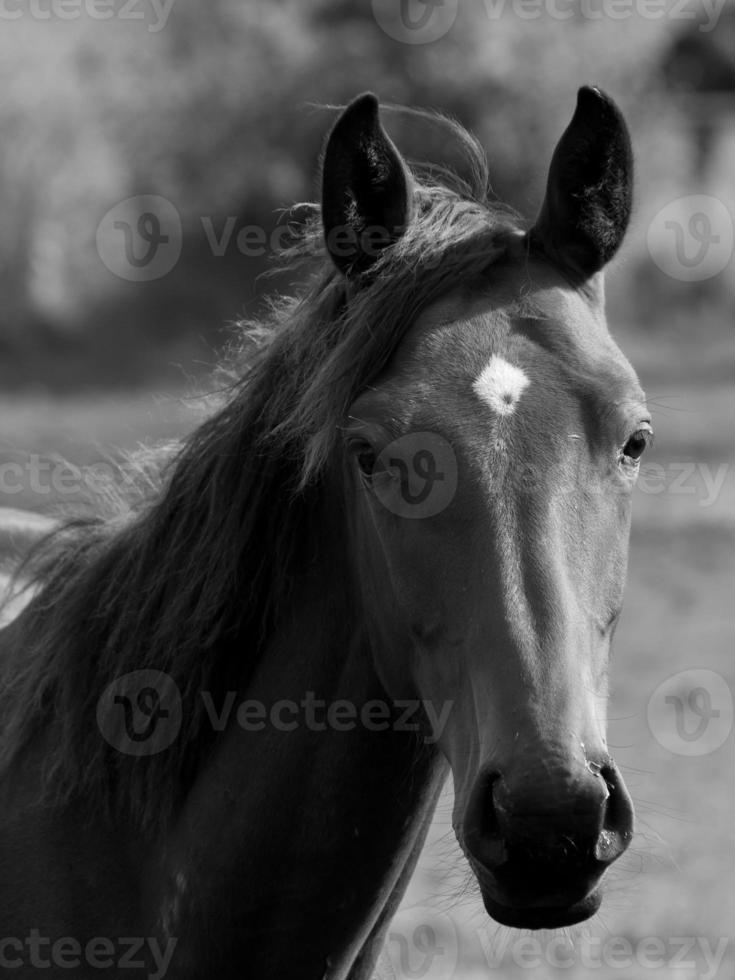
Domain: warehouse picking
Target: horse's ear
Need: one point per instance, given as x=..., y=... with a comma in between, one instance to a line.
x=589, y=192
x=366, y=188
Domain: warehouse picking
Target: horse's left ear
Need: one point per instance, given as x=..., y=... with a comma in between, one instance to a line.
x=366, y=188
x=589, y=192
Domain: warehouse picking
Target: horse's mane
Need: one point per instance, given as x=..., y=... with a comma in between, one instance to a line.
x=189, y=580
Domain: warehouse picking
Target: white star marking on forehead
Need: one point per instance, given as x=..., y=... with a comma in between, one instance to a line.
x=500, y=385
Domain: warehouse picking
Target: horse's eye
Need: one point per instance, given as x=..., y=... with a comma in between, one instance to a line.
x=636, y=445
x=365, y=456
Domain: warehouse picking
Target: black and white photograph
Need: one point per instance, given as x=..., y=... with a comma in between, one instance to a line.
x=367, y=489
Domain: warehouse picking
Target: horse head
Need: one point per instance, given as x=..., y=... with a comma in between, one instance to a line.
x=489, y=467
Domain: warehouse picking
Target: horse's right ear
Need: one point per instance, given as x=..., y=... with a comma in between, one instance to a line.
x=366, y=188
x=590, y=188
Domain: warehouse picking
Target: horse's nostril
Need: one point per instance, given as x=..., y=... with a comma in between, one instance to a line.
x=482, y=836
x=609, y=846
x=617, y=831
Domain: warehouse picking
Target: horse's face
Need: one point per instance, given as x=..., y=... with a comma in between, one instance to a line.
x=496, y=458
x=492, y=464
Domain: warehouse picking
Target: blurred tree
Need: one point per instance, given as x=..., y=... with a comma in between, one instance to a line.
x=218, y=111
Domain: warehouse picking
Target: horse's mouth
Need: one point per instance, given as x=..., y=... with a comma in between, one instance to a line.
x=542, y=917
x=534, y=898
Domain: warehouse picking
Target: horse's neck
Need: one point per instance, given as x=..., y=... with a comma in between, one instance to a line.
x=299, y=834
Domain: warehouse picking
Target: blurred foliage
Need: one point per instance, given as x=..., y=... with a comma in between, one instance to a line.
x=219, y=112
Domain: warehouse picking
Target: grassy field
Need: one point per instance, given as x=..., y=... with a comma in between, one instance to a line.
x=670, y=908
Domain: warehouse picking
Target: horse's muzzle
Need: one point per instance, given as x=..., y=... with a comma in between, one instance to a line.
x=539, y=849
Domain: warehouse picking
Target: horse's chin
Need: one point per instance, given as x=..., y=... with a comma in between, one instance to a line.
x=539, y=917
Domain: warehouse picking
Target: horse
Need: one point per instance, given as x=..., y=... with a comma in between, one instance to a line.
x=397, y=549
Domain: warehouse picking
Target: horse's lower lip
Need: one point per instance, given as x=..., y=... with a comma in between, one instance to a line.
x=540, y=917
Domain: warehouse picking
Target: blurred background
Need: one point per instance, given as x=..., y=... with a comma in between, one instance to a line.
x=147, y=151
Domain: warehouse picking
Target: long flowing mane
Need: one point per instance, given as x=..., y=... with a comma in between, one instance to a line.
x=190, y=581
